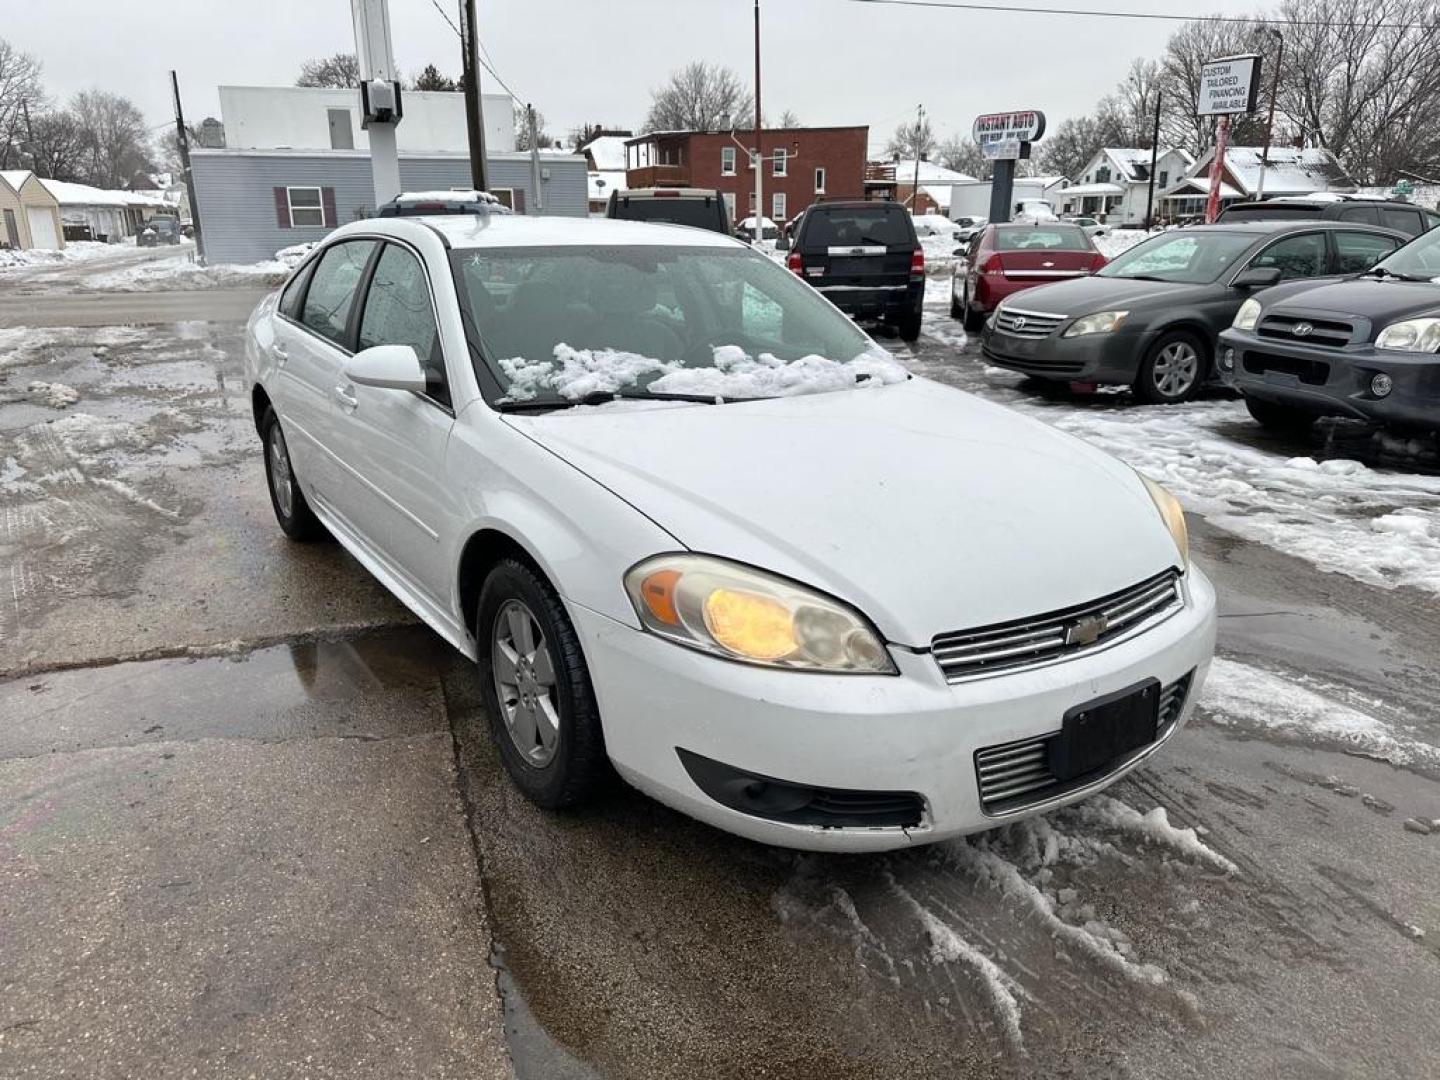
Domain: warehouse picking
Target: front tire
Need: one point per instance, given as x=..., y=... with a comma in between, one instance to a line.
x=1173, y=370
x=296, y=519
x=1277, y=417
x=536, y=689
x=971, y=319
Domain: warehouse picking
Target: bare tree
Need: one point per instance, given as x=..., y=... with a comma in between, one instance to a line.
x=55, y=145
x=911, y=140
x=339, y=71
x=962, y=153
x=114, y=141
x=522, y=129
x=789, y=120
x=430, y=78
x=19, y=90
x=700, y=97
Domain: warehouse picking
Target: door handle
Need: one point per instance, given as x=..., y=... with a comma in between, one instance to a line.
x=345, y=395
x=278, y=351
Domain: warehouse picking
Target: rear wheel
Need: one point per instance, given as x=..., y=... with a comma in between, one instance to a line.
x=973, y=320
x=956, y=311
x=293, y=513
x=1278, y=417
x=909, y=323
x=1173, y=370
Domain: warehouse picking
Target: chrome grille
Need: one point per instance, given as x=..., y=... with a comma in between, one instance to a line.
x=1331, y=333
x=1017, y=775
x=1027, y=643
x=1026, y=324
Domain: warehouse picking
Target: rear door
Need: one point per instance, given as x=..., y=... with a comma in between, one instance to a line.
x=1355, y=252
x=846, y=248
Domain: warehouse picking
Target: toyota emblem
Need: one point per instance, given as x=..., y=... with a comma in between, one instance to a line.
x=1302, y=329
x=1019, y=322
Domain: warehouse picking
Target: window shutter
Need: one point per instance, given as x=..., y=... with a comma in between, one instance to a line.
x=519, y=198
x=327, y=199
x=282, y=208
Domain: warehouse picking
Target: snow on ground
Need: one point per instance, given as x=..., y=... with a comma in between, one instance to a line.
x=76, y=251
x=55, y=395
x=182, y=272
x=1246, y=697
x=22, y=345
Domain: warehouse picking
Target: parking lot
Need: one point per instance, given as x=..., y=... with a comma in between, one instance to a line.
x=251, y=822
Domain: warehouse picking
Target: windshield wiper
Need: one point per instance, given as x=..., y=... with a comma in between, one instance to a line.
x=602, y=397
x=1381, y=272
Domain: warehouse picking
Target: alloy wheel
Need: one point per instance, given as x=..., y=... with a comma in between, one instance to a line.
x=525, y=683
x=282, y=477
x=1175, y=369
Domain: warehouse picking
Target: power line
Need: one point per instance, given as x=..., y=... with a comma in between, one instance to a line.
x=1240, y=20
x=485, y=55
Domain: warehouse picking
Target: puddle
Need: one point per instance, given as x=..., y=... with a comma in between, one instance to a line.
x=534, y=1053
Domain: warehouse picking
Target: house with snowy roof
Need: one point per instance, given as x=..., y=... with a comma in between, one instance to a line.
x=1290, y=171
x=1115, y=183
x=605, y=166
x=29, y=214
x=896, y=179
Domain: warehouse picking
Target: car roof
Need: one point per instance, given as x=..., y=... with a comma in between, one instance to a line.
x=853, y=204
x=1266, y=226
x=518, y=230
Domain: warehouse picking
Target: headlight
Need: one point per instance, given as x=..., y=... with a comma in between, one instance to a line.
x=743, y=614
x=1248, y=315
x=1413, y=335
x=1102, y=322
x=1173, y=514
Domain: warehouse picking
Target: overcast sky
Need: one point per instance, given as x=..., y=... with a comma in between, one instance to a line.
x=832, y=61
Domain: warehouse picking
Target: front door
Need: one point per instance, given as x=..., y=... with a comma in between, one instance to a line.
x=12, y=231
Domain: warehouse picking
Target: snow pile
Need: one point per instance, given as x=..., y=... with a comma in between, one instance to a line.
x=1153, y=827
x=179, y=272
x=292, y=255
x=55, y=395
x=1240, y=695
x=74, y=251
x=578, y=373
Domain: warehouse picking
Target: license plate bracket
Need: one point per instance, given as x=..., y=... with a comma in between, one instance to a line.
x=1101, y=731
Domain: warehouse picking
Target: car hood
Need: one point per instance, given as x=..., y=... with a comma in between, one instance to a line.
x=926, y=508
x=1382, y=302
x=1084, y=296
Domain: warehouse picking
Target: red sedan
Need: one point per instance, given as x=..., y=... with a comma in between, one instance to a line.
x=1001, y=260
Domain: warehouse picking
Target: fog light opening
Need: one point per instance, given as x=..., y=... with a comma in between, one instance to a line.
x=1381, y=385
x=1227, y=360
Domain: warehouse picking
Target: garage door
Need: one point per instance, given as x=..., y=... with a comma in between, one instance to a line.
x=42, y=227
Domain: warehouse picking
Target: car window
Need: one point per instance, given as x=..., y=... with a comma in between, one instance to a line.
x=1295, y=257
x=1041, y=238
x=1430, y=220
x=1364, y=214
x=858, y=226
x=702, y=212
x=295, y=292
x=1406, y=220
x=1356, y=252
x=1188, y=256
x=332, y=288
x=398, y=312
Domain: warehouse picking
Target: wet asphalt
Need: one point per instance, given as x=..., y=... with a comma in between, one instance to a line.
x=251, y=823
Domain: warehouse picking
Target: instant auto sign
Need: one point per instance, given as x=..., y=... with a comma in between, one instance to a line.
x=1229, y=85
x=1022, y=126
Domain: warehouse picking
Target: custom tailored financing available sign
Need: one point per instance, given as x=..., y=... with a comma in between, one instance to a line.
x=1229, y=85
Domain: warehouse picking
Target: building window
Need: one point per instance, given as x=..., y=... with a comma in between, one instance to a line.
x=781, y=161
x=1164, y=177
x=752, y=204
x=1102, y=175
x=342, y=134
x=819, y=181
x=777, y=208
x=307, y=211
x=730, y=206
x=727, y=161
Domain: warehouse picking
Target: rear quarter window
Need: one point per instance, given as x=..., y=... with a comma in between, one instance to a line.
x=1406, y=220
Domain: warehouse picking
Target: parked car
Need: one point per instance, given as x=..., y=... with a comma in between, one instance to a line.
x=932, y=225
x=967, y=227
x=866, y=259
x=1034, y=211
x=157, y=231
x=746, y=230
x=1151, y=317
x=1404, y=217
x=1002, y=260
x=1365, y=347
x=431, y=203
x=857, y=661
x=700, y=208
x=1093, y=226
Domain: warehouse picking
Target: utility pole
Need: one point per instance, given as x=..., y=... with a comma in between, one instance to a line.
x=1154, y=160
x=1270, y=121
x=915, y=188
x=759, y=214
x=474, y=114
x=182, y=139
x=534, y=158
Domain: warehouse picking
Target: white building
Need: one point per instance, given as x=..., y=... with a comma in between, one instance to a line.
x=605, y=162
x=1116, y=183
x=316, y=118
x=1289, y=171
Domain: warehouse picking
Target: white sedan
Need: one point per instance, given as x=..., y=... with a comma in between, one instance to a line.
x=692, y=524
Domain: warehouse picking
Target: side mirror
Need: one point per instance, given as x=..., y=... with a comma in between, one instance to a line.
x=390, y=367
x=1257, y=277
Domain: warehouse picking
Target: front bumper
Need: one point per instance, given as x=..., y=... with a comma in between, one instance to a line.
x=1333, y=381
x=908, y=733
x=1091, y=358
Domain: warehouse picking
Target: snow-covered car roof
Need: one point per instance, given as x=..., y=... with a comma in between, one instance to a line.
x=521, y=231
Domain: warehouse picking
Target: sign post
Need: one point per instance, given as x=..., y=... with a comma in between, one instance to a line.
x=1005, y=138
x=1228, y=85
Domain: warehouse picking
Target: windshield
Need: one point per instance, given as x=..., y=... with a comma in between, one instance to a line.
x=564, y=324
x=1040, y=238
x=852, y=226
x=1185, y=256
x=1418, y=260
x=700, y=213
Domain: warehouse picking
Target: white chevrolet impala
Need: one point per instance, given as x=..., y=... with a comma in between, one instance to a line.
x=693, y=525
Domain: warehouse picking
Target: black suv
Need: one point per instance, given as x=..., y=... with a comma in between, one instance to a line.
x=1388, y=213
x=1366, y=347
x=866, y=259
x=700, y=208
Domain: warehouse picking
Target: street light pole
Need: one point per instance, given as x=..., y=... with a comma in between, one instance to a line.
x=1270, y=121
x=915, y=188
x=759, y=214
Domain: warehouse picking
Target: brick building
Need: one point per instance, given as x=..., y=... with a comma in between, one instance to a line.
x=801, y=166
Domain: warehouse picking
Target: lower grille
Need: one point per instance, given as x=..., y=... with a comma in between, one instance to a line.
x=1026, y=643
x=1026, y=324
x=1310, y=372
x=1037, y=364
x=1015, y=775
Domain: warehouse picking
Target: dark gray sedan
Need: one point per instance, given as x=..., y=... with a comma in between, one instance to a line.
x=1150, y=318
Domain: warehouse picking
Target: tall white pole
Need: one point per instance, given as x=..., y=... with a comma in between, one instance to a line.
x=759, y=153
x=377, y=66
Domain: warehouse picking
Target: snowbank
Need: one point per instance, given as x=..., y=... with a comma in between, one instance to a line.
x=76, y=251
x=179, y=272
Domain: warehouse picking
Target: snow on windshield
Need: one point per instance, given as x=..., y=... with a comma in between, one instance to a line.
x=578, y=373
